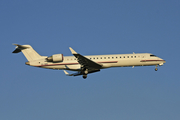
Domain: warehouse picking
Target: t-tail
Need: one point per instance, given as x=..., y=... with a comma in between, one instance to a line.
x=28, y=52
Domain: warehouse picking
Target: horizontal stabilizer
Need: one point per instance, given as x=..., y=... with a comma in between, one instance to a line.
x=16, y=51
x=19, y=48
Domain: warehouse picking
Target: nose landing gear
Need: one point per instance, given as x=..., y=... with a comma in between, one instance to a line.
x=156, y=68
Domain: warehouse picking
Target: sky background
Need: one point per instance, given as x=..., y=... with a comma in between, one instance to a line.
x=91, y=28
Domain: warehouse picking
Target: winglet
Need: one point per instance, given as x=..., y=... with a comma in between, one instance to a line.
x=72, y=51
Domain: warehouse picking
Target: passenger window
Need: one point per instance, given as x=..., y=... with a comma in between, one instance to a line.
x=127, y=56
x=131, y=56
x=108, y=57
x=104, y=57
x=112, y=57
x=124, y=56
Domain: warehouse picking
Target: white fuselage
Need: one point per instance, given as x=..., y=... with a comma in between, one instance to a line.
x=113, y=60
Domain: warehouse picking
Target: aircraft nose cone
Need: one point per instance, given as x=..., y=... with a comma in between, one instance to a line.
x=164, y=61
x=27, y=63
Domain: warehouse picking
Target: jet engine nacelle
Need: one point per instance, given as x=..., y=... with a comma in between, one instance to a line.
x=55, y=58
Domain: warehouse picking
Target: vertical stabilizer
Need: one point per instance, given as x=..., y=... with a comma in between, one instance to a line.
x=28, y=52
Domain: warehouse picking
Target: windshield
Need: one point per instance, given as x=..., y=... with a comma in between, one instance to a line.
x=153, y=56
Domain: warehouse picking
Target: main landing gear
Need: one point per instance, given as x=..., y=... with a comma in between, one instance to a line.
x=84, y=76
x=85, y=73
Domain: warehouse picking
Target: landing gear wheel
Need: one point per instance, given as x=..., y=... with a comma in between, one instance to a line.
x=156, y=69
x=84, y=76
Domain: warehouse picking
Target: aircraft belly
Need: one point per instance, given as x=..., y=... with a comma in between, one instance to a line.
x=125, y=63
x=72, y=67
x=67, y=67
x=150, y=63
x=54, y=67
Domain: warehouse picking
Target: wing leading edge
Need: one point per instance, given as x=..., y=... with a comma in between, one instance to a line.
x=85, y=62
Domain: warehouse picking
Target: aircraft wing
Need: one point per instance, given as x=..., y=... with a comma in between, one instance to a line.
x=74, y=74
x=85, y=62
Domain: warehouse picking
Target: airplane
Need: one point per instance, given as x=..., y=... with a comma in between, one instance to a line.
x=85, y=65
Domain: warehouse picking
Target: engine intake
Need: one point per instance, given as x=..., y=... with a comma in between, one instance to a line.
x=55, y=58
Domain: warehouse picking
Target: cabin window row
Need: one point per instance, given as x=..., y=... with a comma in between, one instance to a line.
x=109, y=57
x=113, y=57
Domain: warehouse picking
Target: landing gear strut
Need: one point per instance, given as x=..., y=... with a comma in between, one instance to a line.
x=156, y=68
x=85, y=72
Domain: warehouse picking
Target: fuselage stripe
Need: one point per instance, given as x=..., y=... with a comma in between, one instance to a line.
x=72, y=63
x=150, y=60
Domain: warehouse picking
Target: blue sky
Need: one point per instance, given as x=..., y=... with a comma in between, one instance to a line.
x=90, y=27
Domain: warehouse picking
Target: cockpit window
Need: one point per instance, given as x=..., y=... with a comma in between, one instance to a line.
x=153, y=56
